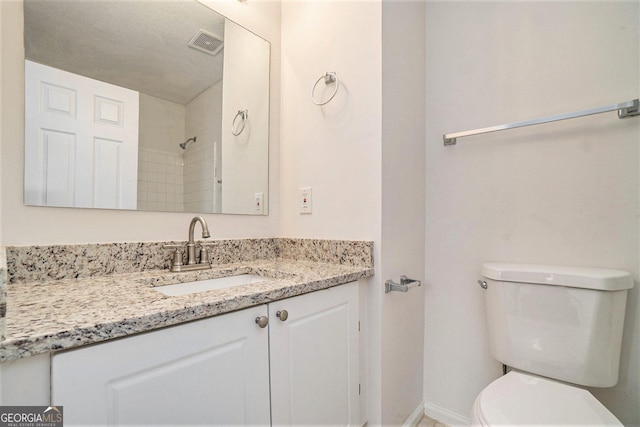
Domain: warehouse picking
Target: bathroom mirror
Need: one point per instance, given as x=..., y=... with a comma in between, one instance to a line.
x=146, y=105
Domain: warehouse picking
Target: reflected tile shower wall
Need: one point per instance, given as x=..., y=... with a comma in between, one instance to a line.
x=199, y=177
x=160, y=181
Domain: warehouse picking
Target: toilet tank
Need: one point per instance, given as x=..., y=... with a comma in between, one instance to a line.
x=559, y=322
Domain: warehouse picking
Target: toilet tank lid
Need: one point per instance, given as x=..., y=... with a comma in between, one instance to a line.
x=577, y=277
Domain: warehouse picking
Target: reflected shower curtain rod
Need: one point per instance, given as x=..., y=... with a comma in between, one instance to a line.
x=625, y=109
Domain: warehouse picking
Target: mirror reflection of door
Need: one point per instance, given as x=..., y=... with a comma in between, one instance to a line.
x=159, y=49
x=81, y=142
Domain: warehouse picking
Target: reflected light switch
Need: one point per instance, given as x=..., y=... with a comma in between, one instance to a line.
x=259, y=201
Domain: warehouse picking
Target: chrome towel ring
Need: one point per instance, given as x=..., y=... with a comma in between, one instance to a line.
x=244, y=115
x=329, y=77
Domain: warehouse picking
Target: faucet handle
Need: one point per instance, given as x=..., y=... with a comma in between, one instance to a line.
x=177, y=255
x=176, y=248
x=204, y=254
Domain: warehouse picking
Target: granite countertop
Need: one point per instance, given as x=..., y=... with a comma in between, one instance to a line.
x=48, y=316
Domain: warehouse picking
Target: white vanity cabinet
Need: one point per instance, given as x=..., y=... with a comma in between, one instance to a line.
x=217, y=371
x=209, y=372
x=314, y=358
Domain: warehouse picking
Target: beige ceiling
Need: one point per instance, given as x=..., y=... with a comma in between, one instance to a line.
x=139, y=44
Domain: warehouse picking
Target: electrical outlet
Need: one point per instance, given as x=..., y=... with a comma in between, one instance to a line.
x=305, y=200
x=259, y=200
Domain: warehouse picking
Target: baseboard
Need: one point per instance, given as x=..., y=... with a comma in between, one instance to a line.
x=444, y=415
x=414, y=419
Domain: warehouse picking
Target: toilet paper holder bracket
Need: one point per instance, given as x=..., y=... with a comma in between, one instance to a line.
x=404, y=285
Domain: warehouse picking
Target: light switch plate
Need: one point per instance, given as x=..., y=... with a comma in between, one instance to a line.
x=305, y=200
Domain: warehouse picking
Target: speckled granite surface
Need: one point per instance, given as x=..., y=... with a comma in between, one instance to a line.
x=344, y=252
x=59, y=262
x=3, y=293
x=55, y=314
x=44, y=263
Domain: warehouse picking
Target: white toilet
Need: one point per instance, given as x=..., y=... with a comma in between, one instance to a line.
x=552, y=325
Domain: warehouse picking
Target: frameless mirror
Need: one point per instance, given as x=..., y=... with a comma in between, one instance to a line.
x=147, y=105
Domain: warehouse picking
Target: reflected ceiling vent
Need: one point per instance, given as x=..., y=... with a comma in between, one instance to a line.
x=206, y=42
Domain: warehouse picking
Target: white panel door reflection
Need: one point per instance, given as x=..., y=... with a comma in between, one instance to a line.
x=81, y=141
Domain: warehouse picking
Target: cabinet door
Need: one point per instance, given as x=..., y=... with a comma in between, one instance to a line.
x=209, y=372
x=25, y=381
x=314, y=358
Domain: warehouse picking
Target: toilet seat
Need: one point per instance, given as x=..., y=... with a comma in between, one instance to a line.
x=525, y=399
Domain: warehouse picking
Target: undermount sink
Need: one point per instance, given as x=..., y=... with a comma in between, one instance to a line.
x=209, y=284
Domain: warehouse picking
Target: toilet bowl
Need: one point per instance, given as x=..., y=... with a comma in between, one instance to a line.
x=524, y=399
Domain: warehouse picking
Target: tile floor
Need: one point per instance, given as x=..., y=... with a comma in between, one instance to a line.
x=429, y=422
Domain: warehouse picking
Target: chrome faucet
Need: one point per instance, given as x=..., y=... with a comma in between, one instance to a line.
x=191, y=245
x=177, y=262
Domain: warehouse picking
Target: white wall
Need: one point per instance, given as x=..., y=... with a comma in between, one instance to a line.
x=3, y=111
x=3, y=261
x=363, y=156
x=335, y=149
x=403, y=206
x=22, y=225
x=562, y=193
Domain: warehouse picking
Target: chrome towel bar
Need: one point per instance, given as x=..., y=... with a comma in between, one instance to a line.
x=403, y=286
x=625, y=109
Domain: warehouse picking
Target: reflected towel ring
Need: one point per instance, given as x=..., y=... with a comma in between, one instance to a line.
x=329, y=77
x=244, y=115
